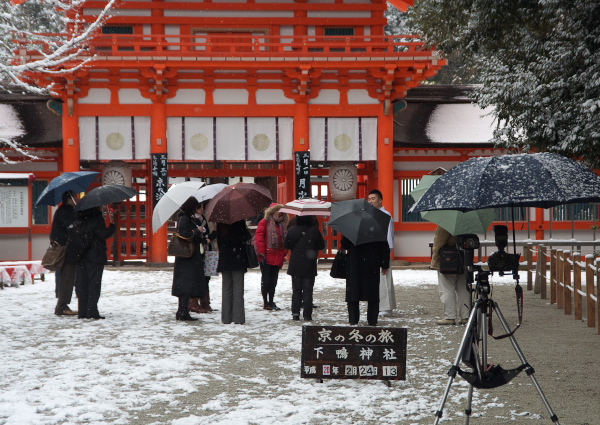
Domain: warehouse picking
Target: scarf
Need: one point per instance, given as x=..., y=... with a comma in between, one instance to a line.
x=274, y=236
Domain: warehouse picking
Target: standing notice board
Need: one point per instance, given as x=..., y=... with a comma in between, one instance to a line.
x=353, y=352
x=14, y=206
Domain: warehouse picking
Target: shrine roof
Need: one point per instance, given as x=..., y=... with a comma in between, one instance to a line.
x=443, y=116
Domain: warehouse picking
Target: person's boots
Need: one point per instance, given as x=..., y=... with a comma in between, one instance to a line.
x=266, y=304
x=196, y=307
x=271, y=302
x=185, y=309
x=205, y=303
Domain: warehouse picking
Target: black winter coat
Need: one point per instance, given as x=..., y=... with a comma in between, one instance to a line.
x=63, y=217
x=231, y=240
x=362, y=269
x=188, y=274
x=97, y=230
x=304, y=241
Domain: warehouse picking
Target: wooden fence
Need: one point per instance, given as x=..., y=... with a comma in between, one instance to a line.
x=559, y=273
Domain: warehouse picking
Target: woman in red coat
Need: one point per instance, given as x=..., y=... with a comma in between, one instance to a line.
x=270, y=234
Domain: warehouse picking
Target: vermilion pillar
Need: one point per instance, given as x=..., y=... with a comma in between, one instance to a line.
x=70, y=131
x=158, y=140
x=301, y=143
x=385, y=158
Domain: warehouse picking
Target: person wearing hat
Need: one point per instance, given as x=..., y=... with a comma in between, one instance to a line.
x=270, y=234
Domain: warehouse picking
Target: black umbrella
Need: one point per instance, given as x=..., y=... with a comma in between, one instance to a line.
x=541, y=180
x=105, y=195
x=359, y=221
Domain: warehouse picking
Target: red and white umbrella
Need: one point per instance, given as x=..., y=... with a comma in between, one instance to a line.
x=307, y=206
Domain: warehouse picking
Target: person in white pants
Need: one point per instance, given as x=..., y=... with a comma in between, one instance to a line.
x=387, y=294
x=453, y=287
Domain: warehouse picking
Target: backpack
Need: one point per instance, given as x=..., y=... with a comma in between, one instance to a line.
x=79, y=238
x=450, y=261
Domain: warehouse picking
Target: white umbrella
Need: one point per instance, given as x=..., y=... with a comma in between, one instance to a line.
x=307, y=206
x=208, y=192
x=171, y=201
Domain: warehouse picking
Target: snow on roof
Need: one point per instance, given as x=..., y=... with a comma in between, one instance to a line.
x=460, y=123
x=10, y=123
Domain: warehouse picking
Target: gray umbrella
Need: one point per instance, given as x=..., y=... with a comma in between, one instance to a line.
x=359, y=221
x=541, y=180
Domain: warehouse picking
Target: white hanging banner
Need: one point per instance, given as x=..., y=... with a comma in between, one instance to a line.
x=114, y=138
x=343, y=139
x=230, y=139
x=106, y=138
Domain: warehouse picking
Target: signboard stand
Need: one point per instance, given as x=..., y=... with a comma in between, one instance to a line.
x=353, y=352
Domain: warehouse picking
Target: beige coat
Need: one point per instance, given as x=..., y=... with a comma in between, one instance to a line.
x=442, y=237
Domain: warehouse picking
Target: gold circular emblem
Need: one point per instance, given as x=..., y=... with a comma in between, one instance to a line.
x=261, y=142
x=115, y=141
x=342, y=142
x=199, y=142
x=343, y=179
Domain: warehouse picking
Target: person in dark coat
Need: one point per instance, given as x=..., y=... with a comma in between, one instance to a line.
x=202, y=305
x=92, y=262
x=304, y=240
x=363, y=264
x=188, y=273
x=65, y=277
x=233, y=265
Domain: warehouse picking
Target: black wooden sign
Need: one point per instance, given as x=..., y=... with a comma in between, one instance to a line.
x=352, y=352
x=160, y=176
x=303, y=175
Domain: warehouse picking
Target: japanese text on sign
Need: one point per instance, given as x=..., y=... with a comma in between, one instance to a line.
x=160, y=176
x=303, y=175
x=338, y=352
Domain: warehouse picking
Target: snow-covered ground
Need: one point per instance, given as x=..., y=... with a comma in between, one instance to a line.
x=141, y=366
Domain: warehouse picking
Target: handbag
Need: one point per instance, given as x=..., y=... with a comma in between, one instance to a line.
x=450, y=262
x=54, y=258
x=251, y=254
x=211, y=261
x=180, y=246
x=338, y=267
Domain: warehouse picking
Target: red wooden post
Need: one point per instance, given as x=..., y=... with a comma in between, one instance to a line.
x=560, y=267
x=568, y=304
x=542, y=255
x=553, y=275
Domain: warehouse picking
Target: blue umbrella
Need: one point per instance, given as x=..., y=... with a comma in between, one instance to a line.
x=77, y=181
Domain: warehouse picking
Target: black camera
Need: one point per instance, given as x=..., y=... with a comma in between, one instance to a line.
x=501, y=261
x=467, y=242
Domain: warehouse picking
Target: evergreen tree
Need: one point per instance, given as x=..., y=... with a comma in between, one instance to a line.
x=539, y=64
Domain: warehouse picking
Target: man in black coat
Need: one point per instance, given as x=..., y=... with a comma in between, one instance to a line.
x=65, y=277
x=363, y=264
x=92, y=262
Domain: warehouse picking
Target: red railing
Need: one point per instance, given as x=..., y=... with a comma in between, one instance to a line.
x=216, y=45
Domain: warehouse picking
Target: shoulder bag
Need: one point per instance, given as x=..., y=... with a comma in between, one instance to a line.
x=251, y=254
x=180, y=246
x=54, y=258
x=338, y=267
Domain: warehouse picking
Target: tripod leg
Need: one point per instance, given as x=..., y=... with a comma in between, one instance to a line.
x=529, y=370
x=468, y=410
x=454, y=368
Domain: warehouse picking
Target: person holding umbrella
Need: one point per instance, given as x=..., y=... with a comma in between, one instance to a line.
x=270, y=233
x=65, y=277
x=304, y=240
x=202, y=305
x=188, y=274
x=92, y=261
x=365, y=240
x=233, y=265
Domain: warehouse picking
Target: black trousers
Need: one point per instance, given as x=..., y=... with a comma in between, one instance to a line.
x=268, y=282
x=302, y=293
x=372, y=312
x=66, y=283
x=89, y=290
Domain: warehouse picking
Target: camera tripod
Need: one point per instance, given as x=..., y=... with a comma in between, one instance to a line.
x=485, y=375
